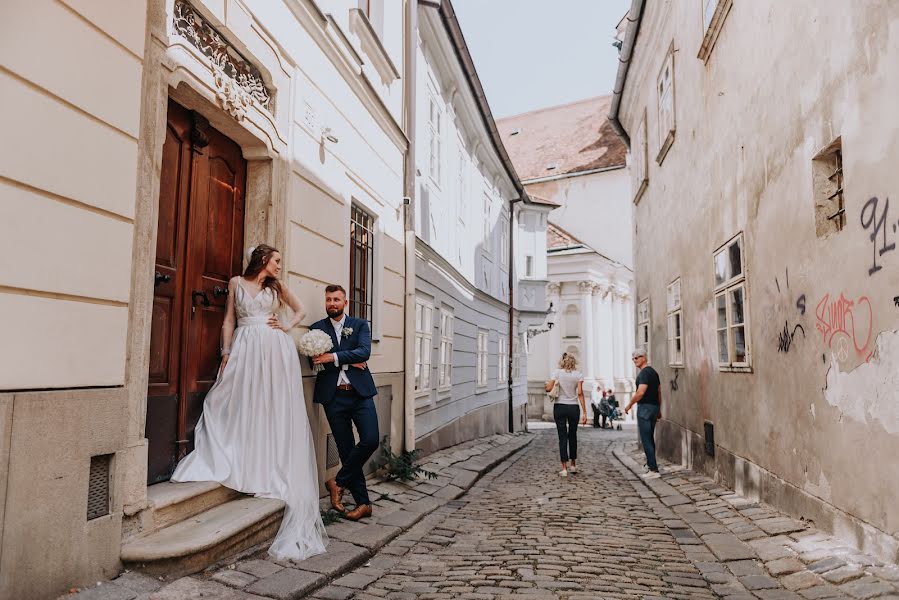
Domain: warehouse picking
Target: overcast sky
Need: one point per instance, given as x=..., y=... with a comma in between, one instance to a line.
x=536, y=53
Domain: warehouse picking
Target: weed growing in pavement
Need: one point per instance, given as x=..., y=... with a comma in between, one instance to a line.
x=402, y=467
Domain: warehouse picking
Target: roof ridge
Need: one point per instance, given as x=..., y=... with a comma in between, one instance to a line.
x=553, y=107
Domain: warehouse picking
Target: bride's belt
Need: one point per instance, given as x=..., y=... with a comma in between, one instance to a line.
x=249, y=321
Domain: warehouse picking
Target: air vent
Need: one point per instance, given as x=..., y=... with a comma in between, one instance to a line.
x=98, y=486
x=709, y=429
x=332, y=457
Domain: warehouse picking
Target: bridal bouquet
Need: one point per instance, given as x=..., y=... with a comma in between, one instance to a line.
x=313, y=343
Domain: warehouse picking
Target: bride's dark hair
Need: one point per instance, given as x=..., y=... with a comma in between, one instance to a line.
x=258, y=259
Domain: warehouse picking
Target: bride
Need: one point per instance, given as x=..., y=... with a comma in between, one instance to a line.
x=254, y=436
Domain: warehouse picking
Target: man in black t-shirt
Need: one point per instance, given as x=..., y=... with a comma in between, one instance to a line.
x=648, y=398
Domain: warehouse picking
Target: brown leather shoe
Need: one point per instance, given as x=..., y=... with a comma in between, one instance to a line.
x=360, y=512
x=336, y=495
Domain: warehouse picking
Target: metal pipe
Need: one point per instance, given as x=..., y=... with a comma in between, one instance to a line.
x=634, y=18
x=409, y=81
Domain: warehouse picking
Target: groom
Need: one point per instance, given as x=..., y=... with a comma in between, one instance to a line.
x=346, y=391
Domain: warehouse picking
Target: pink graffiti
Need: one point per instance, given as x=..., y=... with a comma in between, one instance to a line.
x=845, y=317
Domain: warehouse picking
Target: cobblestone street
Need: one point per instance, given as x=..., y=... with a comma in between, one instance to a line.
x=522, y=532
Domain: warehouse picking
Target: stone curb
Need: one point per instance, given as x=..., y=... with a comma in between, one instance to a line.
x=398, y=508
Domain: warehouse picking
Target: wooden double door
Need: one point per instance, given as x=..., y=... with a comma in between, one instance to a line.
x=198, y=249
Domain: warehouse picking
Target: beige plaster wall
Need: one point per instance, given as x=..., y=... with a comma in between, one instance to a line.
x=67, y=226
x=68, y=176
x=776, y=90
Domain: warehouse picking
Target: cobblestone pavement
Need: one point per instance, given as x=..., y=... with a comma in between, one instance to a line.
x=523, y=532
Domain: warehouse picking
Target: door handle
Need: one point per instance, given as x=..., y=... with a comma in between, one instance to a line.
x=204, y=300
x=219, y=291
x=160, y=278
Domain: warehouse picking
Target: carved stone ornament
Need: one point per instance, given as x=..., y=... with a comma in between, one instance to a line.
x=238, y=83
x=553, y=288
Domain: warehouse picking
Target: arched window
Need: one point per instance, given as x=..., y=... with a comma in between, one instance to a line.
x=572, y=322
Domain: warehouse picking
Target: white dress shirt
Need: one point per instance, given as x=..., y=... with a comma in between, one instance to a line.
x=342, y=378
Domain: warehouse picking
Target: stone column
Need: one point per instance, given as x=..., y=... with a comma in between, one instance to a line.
x=588, y=335
x=617, y=341
x=606, y=335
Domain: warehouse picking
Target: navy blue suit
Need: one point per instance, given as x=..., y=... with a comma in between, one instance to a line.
x=345, y=408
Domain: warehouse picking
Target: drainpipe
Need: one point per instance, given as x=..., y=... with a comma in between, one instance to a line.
x=634, y=18
x=409, y=77
x=511, y=307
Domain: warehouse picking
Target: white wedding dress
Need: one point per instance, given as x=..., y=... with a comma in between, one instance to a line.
x=254, y=435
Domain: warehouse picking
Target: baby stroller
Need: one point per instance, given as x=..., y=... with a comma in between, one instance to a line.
x=614, y=416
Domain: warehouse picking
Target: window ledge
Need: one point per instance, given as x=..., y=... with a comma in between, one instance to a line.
x=734, y=369
x=711, y=34
x=663, y=151
x=372, y=46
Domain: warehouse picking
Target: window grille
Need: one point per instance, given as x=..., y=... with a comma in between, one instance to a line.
x=362, y=255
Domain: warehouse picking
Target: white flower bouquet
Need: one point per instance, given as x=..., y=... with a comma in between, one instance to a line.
x=313, y=343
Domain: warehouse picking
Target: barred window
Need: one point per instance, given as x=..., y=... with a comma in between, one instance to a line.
x=502, y=367
x=827, y=175
x=445, y=373
x=482, y=358
x=362, y=255
x=423, y=315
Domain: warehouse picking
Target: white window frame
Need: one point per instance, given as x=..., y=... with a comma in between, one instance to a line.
x=445, y=357
x=675, y=324
x=423, y=339
x=665, y=114
x=640, y=157
x=486, y=246
x=644, y=328
x=435, y=137
x=502, y=367
x=726, y=286
x=516, y=356
x=483, y=341
x=504, y=244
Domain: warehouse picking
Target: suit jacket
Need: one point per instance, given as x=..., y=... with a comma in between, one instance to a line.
x=355, y=348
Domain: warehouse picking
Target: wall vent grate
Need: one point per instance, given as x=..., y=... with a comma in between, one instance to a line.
x=709, y=429
x=98, y=486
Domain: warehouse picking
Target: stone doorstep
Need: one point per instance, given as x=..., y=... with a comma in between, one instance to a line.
x=169, y=502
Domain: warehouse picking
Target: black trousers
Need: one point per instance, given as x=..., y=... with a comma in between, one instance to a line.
x=567, y=417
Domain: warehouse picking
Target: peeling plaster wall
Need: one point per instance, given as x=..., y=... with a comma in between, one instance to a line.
x=818, y=413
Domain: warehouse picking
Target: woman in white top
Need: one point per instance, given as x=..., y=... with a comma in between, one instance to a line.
x=569, y=409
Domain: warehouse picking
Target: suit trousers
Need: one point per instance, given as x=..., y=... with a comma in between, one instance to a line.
x=348, y=408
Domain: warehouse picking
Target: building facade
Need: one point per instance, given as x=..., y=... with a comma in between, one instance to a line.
x=765, y=247
x=570, y=157
x=175, y=135
x=470, y=215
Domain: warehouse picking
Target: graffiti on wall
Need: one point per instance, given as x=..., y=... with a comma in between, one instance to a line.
x=846, y=326
x=788, y=335
x=785, y=338
x=876, y=222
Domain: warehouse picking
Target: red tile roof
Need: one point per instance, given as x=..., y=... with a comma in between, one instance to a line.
x=556, y=238
x=575, y=137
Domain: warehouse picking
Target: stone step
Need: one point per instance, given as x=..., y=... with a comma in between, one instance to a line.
x=195, y=543
x=171, y=502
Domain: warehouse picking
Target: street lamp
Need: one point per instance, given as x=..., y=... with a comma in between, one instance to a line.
x=550, y=321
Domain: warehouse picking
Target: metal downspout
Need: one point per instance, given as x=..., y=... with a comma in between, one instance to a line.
x=409, y=76
x=511, y=382
x=634, y=18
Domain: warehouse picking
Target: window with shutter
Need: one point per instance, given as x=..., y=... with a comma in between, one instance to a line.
x=666, y=120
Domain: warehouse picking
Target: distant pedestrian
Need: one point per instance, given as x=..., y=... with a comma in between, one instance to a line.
x=597, y=408
x=605, y=409
x=614, y=415
x=648, y=398
x=569, y=408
